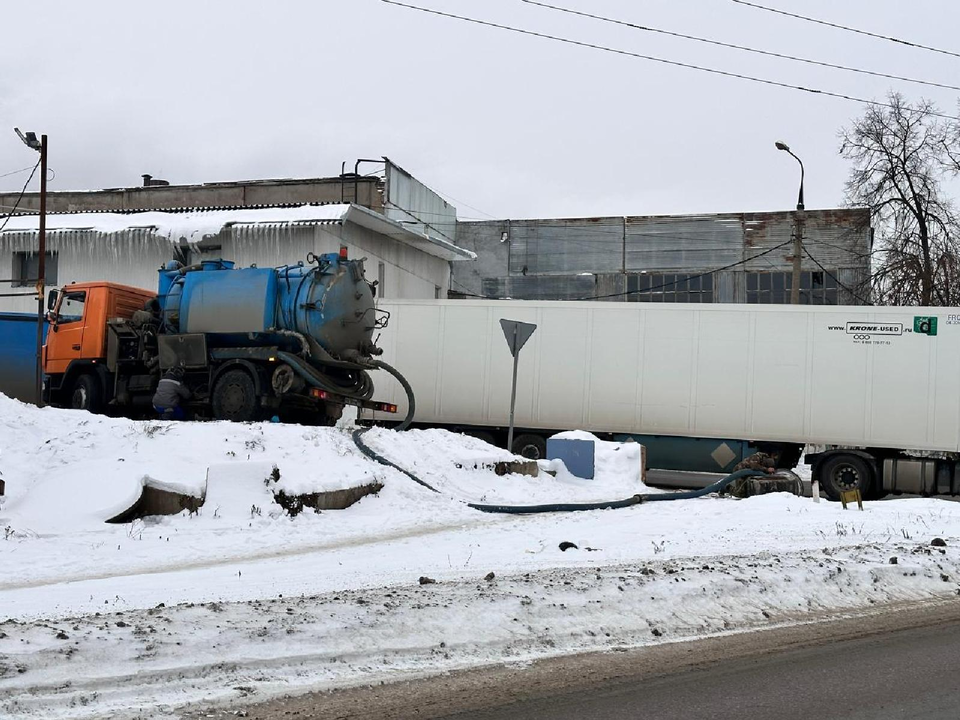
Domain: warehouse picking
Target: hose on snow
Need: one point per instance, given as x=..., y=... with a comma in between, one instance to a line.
x=614, y=504
x=404, y=424
x=529, y=509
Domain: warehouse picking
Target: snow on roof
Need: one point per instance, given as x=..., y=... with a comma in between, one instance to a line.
x=191, y=226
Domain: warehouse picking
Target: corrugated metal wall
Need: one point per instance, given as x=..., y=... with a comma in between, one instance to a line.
x=566, y=259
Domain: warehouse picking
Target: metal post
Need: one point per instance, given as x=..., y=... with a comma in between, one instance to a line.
x=41, y=291
x=513, y=388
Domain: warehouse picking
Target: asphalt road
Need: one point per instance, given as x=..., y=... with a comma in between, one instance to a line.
x=893, y=661
x=906, y=674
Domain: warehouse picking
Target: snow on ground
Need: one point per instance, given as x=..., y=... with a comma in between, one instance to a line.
x=139, y=620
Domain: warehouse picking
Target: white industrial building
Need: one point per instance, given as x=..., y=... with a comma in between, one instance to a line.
x=126, y=235
x=129, y=248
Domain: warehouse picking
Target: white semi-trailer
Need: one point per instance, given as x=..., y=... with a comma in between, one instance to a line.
x=874, y=390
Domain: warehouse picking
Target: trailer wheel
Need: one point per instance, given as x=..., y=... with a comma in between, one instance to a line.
x=843, y=472
x=86, y=393
x=530, y=446
x=235, y=397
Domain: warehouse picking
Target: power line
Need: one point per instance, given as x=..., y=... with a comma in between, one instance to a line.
x=744, y=48
x=15, y=172
x=20, y=197
x=689, y=277
x=835, y=278
x=676, y=63
x=461, y=202
x=848, y=29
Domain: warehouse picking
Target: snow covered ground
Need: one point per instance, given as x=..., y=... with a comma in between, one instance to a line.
x=241, y=600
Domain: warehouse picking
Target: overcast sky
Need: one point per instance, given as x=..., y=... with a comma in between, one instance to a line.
x=503, y=125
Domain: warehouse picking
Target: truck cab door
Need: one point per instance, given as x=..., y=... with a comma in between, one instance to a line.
x=65, y=336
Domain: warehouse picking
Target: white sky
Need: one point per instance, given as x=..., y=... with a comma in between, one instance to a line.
x=513, y=125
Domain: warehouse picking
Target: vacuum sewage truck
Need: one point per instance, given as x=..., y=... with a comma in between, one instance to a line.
x=294, y=341
x=873, y=393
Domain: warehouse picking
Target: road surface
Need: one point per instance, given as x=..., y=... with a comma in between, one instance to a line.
x=906, y=674
x=896, y=661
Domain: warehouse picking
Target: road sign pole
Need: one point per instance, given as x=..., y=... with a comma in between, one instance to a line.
x=513, y=388
x=516, y=334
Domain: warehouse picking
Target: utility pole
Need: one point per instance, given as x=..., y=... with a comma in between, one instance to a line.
x=30, y=140
x=797, y=232
x=42, y=272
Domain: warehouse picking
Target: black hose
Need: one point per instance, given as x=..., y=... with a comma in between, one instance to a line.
x=528, y=509
x=613, y=504
x=411, y=400
x=405, y=423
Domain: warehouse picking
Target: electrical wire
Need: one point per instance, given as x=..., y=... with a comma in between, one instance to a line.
x=744, y=48
x=15, y=172
x=20, y=196
x=816, y=262
x=846, y=28
x=664, y=61
x=689, y=277
x=461, y=202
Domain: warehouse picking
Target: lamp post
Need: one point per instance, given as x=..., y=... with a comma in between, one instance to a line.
x=798, y=231
x=30, y=140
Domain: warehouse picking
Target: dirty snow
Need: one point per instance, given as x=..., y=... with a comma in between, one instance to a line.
x=241, y=601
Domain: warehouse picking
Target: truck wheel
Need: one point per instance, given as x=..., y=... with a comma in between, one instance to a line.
x=86, y=394
x=840, y=473
x=235, y=397
x=530, y=446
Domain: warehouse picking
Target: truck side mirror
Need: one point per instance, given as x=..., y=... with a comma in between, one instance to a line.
x=51, y=300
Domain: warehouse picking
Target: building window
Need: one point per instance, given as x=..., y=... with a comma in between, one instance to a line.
x=670, y=287
x=26, y=269
x=773, y=288
x=381, y=277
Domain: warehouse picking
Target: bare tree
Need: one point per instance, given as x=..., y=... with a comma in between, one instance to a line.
x=901, y=155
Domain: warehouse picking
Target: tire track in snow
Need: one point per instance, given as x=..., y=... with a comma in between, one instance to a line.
x=269, y=554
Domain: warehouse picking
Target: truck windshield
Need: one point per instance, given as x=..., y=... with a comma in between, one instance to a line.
x=71, y=307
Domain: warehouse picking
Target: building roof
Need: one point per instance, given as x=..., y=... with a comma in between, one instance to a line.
x=193, y=226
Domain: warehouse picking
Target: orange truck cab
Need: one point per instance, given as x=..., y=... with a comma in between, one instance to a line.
x=75, y=354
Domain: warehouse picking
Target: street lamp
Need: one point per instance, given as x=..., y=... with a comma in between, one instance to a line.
x=783, y=146
x=798, y=230
x=30, y=140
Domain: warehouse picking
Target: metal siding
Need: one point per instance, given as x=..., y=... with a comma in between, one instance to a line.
x=681, y=243
x=542, y=287
x=559, y=251
x=566, y=246
x=407, y=199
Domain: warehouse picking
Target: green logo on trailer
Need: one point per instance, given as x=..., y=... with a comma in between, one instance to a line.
x=925, y=325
